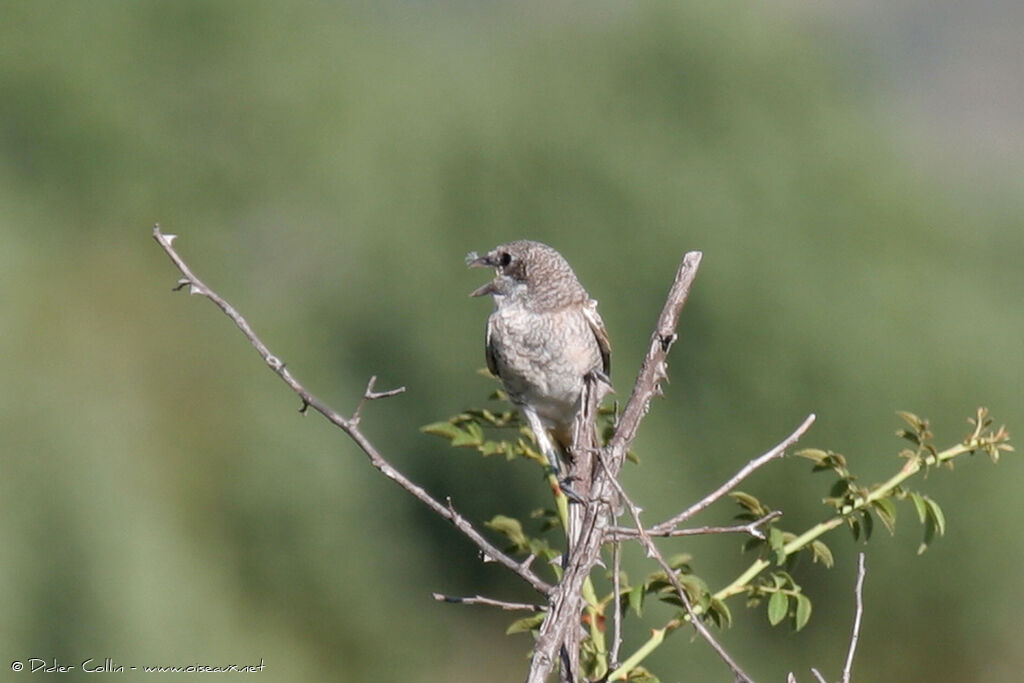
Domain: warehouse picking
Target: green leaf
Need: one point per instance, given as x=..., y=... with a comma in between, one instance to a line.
x=935, y=512
x=719, y=612
x=636, y=600
x=778, y=606
x=783, y=579
x=919, y=505
x=887, y=513
x=445, y=429
x=934, y=523
x=680, y=561
x=929, y=535
x=831, y=461
x=822, y=553
x=511, y=528
x=776, y=540
x=493, y=447
x=473, y=435
x=748, y=502
x=696, y=589
x=803, y=611
x=526, y=624
x=642, y=675
x=815, y=455
x=529, y=452
x=869, y=524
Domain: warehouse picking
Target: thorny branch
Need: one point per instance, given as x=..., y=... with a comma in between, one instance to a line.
x=563, y=621
x=348, y=425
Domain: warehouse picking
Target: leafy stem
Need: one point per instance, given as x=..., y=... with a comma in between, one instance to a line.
x=992, y=442
x=854, y=505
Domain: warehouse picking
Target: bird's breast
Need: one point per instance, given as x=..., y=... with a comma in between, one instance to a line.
x=542, y=357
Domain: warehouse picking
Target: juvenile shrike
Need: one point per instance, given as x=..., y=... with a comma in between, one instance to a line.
x=543, y=338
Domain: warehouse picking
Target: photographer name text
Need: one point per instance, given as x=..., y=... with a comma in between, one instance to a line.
x=107, y=665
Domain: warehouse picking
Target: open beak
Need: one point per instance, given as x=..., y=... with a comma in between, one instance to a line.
x=485, y=261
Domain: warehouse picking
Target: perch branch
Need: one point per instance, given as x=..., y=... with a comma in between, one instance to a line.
x=565, y=600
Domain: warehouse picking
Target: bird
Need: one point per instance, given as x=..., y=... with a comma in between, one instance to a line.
x=544, y=338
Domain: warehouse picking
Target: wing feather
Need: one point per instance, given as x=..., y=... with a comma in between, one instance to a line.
x=489, y=350
x=601, y=334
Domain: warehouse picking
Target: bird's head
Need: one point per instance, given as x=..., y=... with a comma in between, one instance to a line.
x=529, y=272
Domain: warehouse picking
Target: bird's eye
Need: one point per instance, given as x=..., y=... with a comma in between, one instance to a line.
x=505, y=259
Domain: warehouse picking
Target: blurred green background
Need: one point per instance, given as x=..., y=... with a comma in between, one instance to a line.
x=327, y=166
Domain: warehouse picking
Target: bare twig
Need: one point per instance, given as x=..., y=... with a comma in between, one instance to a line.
x=348, y=425
x=481, y=600
x=858, y=593
x=620, y=533
x=370, y=395
x=776, y=452
x=817, y=675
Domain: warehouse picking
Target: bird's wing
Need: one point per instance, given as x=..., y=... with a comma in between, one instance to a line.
x=489, y=351
x=601, y=334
